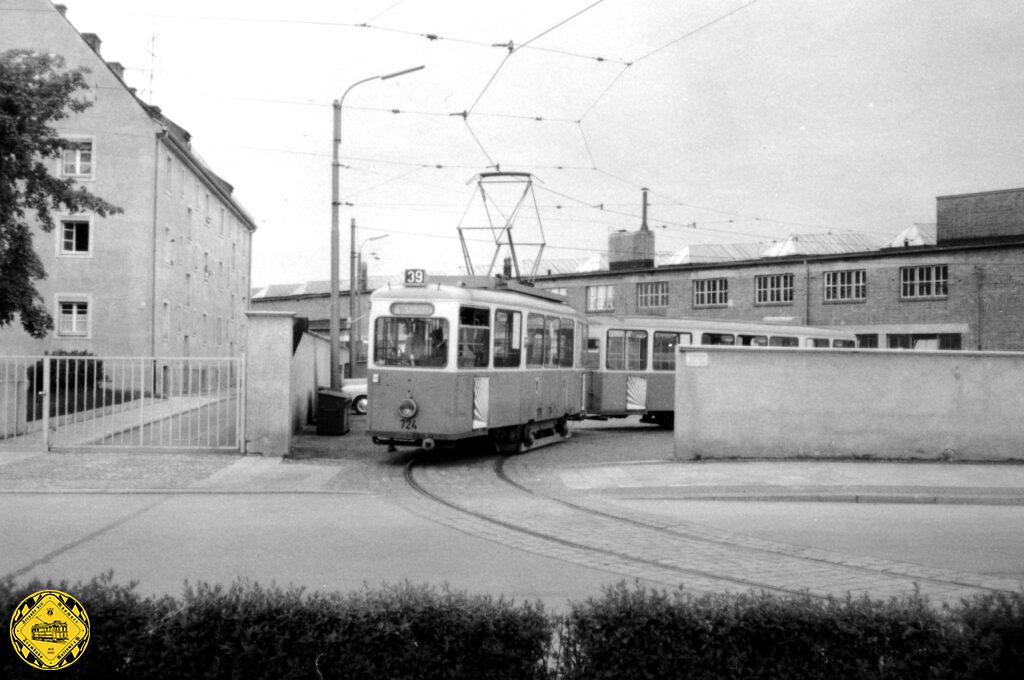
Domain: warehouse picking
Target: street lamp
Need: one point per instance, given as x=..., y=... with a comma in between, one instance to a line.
x=335, y=324
x=355, y=267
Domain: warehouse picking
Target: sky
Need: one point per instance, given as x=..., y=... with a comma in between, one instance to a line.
x=747, y=121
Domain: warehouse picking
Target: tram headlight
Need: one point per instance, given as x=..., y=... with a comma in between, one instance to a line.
x=408, y=408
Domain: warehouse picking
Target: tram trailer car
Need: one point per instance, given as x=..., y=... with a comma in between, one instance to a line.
x=451, y=362
x=633, y=359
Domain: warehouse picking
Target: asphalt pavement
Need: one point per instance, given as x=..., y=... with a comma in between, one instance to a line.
x=321, y=464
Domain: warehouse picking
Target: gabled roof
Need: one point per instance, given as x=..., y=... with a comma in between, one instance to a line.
x=314, y=288
x=920, y=234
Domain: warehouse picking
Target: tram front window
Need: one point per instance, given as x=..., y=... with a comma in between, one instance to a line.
x=410, y=341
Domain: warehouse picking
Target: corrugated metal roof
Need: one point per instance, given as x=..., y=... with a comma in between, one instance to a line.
x=701, y=253
x=567, y=265
x=823, y=244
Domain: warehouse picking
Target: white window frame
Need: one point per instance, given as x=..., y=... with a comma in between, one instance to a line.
x=652, y=295
x=601, y=298
x=77, y=160
x=61, y=252
x=773, y=289
x=711, y=292
x=846, y=285
x=61, y=299
x=929, y=277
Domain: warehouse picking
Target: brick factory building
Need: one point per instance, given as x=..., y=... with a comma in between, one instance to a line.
x=957, y=284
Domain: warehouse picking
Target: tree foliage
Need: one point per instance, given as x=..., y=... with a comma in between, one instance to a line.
x=35, y=91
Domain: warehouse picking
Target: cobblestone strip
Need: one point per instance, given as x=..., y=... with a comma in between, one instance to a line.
x=652, y=552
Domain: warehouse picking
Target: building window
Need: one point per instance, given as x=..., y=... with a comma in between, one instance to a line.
x=166, y=330
x=710, y=292
x=600, y=298
x=652, y=294
x=846, y=286
x=76, y=159
x=73, y=318
x=930, y=281
x=773, y=289
x=75, y=237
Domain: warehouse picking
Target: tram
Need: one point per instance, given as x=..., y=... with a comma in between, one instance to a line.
x=481, y=357
x=632, y=360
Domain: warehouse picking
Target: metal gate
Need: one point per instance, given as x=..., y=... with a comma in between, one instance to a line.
x=71, y=401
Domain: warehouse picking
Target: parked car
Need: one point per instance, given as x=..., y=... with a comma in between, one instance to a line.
x=355, y=390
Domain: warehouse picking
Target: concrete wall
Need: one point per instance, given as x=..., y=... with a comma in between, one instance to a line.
x=310, y=370
x=752, y=403
x=269, y=421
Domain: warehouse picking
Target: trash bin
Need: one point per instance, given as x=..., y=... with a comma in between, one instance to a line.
x=331, y=412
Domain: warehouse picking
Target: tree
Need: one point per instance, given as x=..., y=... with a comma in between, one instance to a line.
x=35, y=91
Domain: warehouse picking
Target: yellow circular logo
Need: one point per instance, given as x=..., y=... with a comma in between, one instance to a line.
x=50, y=630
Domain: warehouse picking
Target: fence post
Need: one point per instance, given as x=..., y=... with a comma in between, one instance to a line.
x=46, y=403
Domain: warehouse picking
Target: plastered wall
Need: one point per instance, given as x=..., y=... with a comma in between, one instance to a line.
x=765, y=403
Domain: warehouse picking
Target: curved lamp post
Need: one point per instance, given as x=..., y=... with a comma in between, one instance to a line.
x=335, y=323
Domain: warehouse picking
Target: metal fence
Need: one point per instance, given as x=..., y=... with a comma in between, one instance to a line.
x=77, y=401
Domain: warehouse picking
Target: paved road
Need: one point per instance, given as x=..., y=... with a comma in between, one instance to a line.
x=557, y=523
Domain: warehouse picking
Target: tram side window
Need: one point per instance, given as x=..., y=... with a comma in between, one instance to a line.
x=636, y=350
x=846, y=344
x=717, y=339
x=753, y=340
x=410, y=341
x=474, y=337
x=817, y=342
x=615, y=351
x=535, y=340
x=584, y=342
x=592, y=359
x=508, y=338
x=551, y=328
x=783, y=341
x=665, y=349
x=565, y=342
x=627, y=350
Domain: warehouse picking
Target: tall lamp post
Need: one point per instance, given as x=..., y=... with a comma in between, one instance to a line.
x=355, y=268
x=335, y=323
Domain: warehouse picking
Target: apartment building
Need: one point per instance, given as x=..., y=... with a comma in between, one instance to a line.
x=170, y=275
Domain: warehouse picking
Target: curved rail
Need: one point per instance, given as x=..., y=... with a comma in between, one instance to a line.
x=607, y=523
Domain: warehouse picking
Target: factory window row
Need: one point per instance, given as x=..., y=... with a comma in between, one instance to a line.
x=922, y=282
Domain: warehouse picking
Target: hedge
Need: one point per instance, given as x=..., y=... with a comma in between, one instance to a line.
x=641, y=633
x=249, y=631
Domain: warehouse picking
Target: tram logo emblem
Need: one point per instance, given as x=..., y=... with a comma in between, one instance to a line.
x=50, y=630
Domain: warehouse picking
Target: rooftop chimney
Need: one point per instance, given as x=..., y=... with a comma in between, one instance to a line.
x=117, y=67
x=93, y=41
x=62, y=9
x=643, y=220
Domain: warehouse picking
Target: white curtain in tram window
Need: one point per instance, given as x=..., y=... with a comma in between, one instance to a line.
x=481, y=394
x=636, y=393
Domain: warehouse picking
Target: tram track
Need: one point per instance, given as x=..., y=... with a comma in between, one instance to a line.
x=482, y=498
